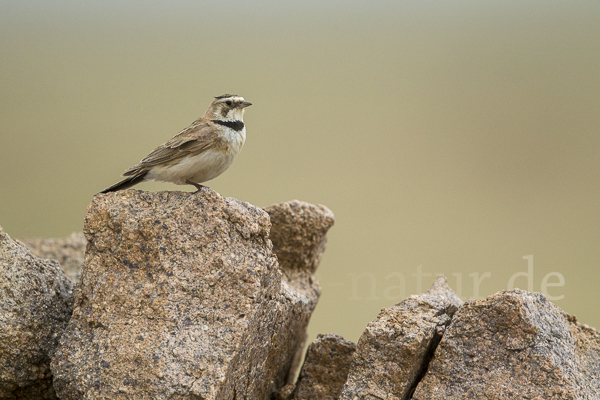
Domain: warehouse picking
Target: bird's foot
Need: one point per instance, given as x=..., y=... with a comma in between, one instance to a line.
x=196, y=185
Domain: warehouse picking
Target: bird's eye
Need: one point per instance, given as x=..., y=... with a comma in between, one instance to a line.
x=228, y=102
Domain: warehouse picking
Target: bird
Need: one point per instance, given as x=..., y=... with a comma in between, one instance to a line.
x=197, y=154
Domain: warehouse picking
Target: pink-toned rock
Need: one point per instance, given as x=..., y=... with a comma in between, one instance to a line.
x=68, y=251
x=514, y=345
x=36, y=302
x=298, y=234
x=325, y=368
x=393, y=352
x=181, y=297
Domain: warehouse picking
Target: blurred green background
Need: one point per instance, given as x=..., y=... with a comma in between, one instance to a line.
x=447, y=137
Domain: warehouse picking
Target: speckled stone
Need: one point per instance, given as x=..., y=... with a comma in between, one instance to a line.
x=298, y=234
x=36, y=301
x=180, y=297
x=394, y=349
x=68, y=251
x=514, y=345
x=325, y=368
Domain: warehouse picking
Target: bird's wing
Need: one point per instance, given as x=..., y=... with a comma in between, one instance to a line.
x=197, y=137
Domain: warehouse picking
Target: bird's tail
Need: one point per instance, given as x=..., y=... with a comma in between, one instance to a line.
x=127, y=182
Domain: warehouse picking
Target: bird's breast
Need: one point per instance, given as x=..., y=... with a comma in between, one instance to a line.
x=234, y=139
x=203, y=166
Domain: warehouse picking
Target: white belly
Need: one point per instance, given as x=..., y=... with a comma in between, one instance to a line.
x=201, y=167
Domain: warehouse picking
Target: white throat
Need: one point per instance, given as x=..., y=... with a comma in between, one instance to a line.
x=237, y=114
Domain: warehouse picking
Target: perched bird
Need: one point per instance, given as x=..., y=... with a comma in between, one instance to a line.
x=197, y=154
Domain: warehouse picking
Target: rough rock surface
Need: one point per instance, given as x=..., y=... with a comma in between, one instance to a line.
x=514, y=345
x=588, y=352
x=180, y=297
x=298, y=234
x=325, y=368
x=36, y=302
x=68, y=251
x=285, y=393
x=393, y=352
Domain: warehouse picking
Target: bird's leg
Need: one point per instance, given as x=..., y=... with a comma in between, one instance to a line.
x=196, y=185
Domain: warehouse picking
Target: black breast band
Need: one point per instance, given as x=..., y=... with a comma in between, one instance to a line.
x=235, y=125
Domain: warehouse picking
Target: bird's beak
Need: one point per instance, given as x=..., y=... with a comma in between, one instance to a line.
x=245, y=104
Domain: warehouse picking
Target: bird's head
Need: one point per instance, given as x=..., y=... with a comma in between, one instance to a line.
x=227, y=107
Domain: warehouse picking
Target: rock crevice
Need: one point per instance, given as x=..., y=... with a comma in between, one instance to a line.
x=197, y=296
x=514, y=344
x=181, y=296
x=393, y=352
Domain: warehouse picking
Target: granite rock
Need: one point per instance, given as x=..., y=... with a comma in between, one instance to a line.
x=68, y=251
x=180, y=297
x=393, y=352
x=514, y=344
x=325, y=368
x=587, y=351
x=298, y=233
x=285, y=393
x=36, y=301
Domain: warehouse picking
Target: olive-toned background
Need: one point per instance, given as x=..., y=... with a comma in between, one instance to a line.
x=447, y=137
